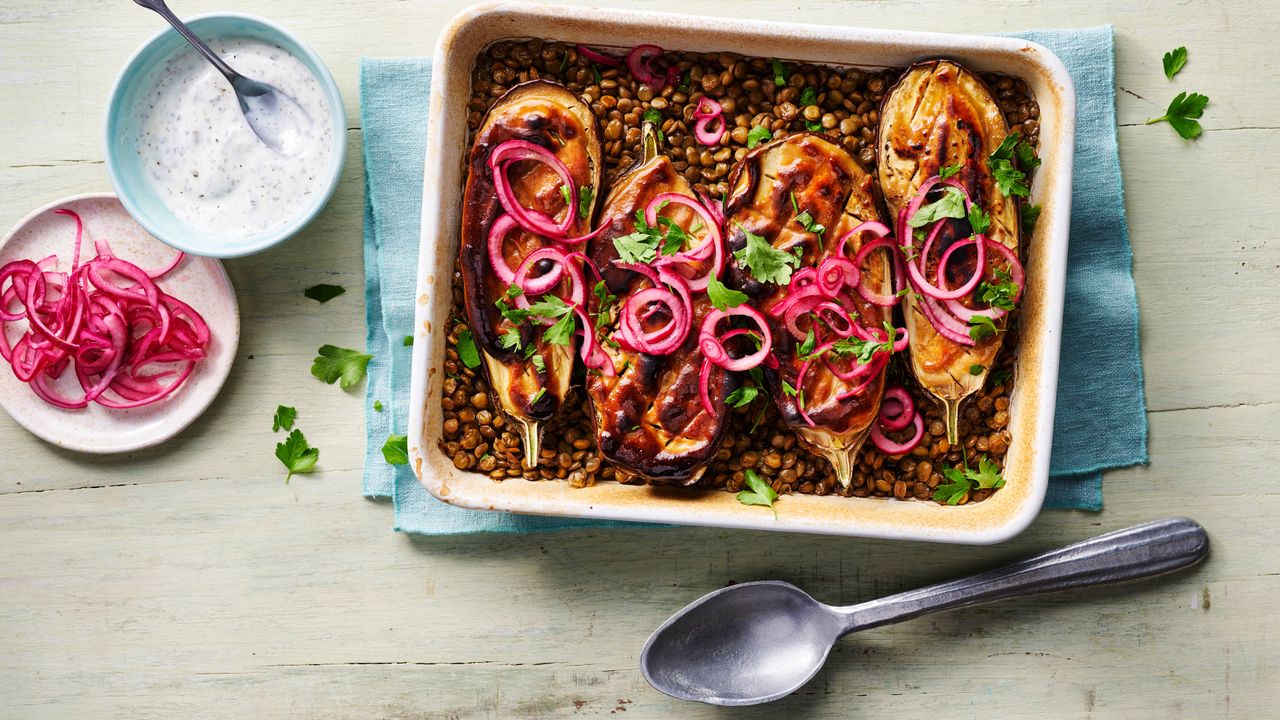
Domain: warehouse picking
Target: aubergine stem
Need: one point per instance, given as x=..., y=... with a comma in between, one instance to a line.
x=648, y=142
x=952, y=408
x=842, y=458
x=532, y=439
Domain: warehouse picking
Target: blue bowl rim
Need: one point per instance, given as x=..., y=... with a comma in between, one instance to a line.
x=266, y=241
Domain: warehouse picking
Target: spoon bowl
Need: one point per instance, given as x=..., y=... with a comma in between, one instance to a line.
x=757, y=642
x=275, y=117
x=742, y=645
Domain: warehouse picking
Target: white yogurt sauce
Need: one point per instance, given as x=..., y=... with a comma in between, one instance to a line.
x=205, y=161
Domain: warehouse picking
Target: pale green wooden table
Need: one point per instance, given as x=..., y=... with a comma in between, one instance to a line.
x=190, y=581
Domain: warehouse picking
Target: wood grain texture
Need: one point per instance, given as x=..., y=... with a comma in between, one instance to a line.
x=190, y=581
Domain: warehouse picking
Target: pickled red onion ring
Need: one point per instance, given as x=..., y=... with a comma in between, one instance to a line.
x=906, y=408
x=889, y=447
x=535, y=221
x=599, y=57
x=640, y=62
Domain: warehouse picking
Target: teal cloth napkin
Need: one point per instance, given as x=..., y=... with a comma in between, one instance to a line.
x=1101, y=413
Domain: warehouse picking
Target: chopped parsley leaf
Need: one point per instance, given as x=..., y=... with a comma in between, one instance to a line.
x=950, y=205
x=766, y=263
x=323, y=293
x=396, y=450
x=1174, y=61
x=979, y=220
x=757, y=135
x=744, y=395
x=779, y=72
x=760, y=493
x=981, y=327
x=950, y=170
x=284, y=418
x=1030, y=214
x=467, y=349
x=999, y=294
x=721, y=296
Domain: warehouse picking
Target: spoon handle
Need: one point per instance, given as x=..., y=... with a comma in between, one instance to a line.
x=163, y=10
x=1138, y=552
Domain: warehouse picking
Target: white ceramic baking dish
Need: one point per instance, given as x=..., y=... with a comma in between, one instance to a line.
x=1002, y=516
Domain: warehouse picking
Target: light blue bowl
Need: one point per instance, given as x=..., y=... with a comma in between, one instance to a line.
x=124, y=166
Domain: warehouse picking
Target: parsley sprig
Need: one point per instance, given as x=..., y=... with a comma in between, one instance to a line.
x=950, y=205
x=296, y=455
x=341, y=365
x=1010, y=179
x=643, y=245
x=1182, y=114
x=961, y=481
x=999, y=294
x=766, y=263
x=760, y=492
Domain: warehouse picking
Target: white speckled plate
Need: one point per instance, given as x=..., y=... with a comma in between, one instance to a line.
x=199, y=282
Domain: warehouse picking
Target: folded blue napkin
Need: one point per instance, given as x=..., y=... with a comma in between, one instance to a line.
x=1101, y=418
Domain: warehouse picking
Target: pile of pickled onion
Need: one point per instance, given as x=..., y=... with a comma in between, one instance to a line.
x=127, y=341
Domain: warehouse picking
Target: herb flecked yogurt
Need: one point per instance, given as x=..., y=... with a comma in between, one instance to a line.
x=206, y=163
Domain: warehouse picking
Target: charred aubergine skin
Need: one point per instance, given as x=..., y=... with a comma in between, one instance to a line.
x=649, y=417
x=551, y=116
x=837, y=192
x=940, y=114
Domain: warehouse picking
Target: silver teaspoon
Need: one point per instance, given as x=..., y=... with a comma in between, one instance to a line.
x=278, y=121
x=760, y=641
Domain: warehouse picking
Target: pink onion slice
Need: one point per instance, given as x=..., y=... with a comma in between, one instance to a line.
x=889, y=447
x=898, y=396
x=640, y=62
x=542, y=283
x=599, y=57
x=497, y=259
x=713, y=349
x=534, y=221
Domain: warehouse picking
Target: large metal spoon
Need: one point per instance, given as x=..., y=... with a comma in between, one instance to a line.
x=757, y=642
x=275, y=117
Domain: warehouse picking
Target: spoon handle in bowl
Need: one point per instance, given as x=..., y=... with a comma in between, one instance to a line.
x=1134, y=553
x=160, y=8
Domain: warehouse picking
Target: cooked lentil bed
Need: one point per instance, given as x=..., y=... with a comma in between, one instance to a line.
x=477, y=436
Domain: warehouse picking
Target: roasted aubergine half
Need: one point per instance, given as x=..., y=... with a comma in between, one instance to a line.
x=534, y=172
x=945, y=164
x=653, y=256
x=808, y=248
